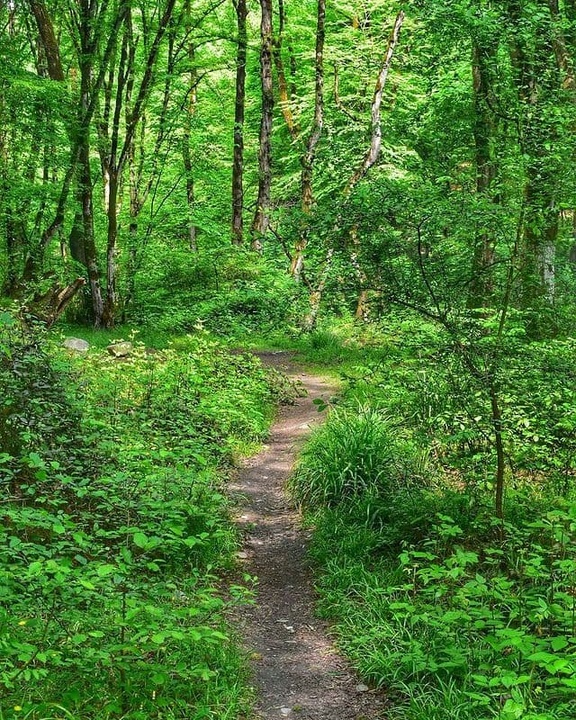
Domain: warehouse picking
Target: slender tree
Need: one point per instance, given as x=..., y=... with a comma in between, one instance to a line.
x=284, y=90
x=308, y=157
x=261, y=219
x=366, y=163
x=119, y=147
x=484, y=131
x=239, y=111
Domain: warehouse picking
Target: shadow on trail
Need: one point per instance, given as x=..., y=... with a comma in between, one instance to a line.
x=297, y=671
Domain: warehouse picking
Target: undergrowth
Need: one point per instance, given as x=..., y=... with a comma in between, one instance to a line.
x=114, y=531
x=454, y=612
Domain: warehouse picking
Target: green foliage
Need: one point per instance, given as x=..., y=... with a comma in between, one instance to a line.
x=356, y=453
x=492, y=625
x=199, y=402
x=453, y=612
x=38, y=410
x=228, y=292
x=115, y=529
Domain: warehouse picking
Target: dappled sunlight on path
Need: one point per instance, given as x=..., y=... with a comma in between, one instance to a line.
x=298, y=673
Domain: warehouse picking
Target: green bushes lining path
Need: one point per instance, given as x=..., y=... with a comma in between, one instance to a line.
x=454, y=612
x=114, y=530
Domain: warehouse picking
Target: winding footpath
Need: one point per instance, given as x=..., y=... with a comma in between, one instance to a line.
x=297, y=671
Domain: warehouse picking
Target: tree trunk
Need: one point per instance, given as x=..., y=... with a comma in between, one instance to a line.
x=307, y=160
x=262, y=215
x=187, y=133
x=535, y=82
x=49, y=307
x=82, y=240
x=120, y=149
x=375, y=114
x=88, y=244
x=499, y=445
x=364, y=166
x=239, y=106
x=111, y=303
x=76, y=131
x=48, y=39
x=283, y=90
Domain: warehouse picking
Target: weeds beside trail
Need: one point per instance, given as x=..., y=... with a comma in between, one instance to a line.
x=456, y=614
x=115, y=529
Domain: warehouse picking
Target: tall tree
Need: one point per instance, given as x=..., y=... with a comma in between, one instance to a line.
x=484, y=59
x=284, y=97
x=536, y=80
x=261, y=219
x=119, y=145
x=366, y=163
x=239, y=112
x=308, y=157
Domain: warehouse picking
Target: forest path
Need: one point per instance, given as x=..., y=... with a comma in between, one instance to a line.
x=297, y=671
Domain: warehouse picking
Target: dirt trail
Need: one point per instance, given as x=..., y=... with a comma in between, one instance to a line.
x=297, y=671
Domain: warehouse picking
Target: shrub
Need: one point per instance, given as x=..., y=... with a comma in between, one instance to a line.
x=114, y=528
x=357, y=454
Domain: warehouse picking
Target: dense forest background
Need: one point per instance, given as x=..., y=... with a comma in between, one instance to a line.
x=389, y=188
x=146, y=146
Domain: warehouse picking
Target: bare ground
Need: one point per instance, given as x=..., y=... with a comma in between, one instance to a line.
x=297, y=671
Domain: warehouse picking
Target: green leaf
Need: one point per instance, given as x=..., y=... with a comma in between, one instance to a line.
x=512, y=710
x=140, y=540
x=558, y=643
x=104, y=570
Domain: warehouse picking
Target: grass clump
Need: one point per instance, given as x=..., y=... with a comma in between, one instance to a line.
x=358, y=454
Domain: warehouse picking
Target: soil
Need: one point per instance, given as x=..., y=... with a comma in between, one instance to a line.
x=298, y=672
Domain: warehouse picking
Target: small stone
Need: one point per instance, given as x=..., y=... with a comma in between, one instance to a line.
x=76, y=344
x=242, y=555
x=362, y=688
x=120, y=349
x=285, y=711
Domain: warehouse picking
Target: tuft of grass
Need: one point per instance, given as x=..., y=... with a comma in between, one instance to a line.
x=356, y=454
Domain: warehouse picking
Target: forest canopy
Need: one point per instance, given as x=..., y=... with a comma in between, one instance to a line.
x=419, y=154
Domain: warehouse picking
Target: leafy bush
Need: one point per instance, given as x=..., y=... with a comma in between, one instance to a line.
x=228, y=291
x=39, y=414
x=446, y=624
x=115, y=528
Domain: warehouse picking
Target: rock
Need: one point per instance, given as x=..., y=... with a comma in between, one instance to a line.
x=242, y=555
x=121, y=349
x=285, y=711
x=76, y=344
x=362, y=688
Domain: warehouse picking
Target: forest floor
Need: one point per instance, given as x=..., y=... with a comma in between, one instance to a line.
x=298, y=672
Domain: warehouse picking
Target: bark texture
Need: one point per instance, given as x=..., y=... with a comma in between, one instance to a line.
x=262, y=215
x=239, y=109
